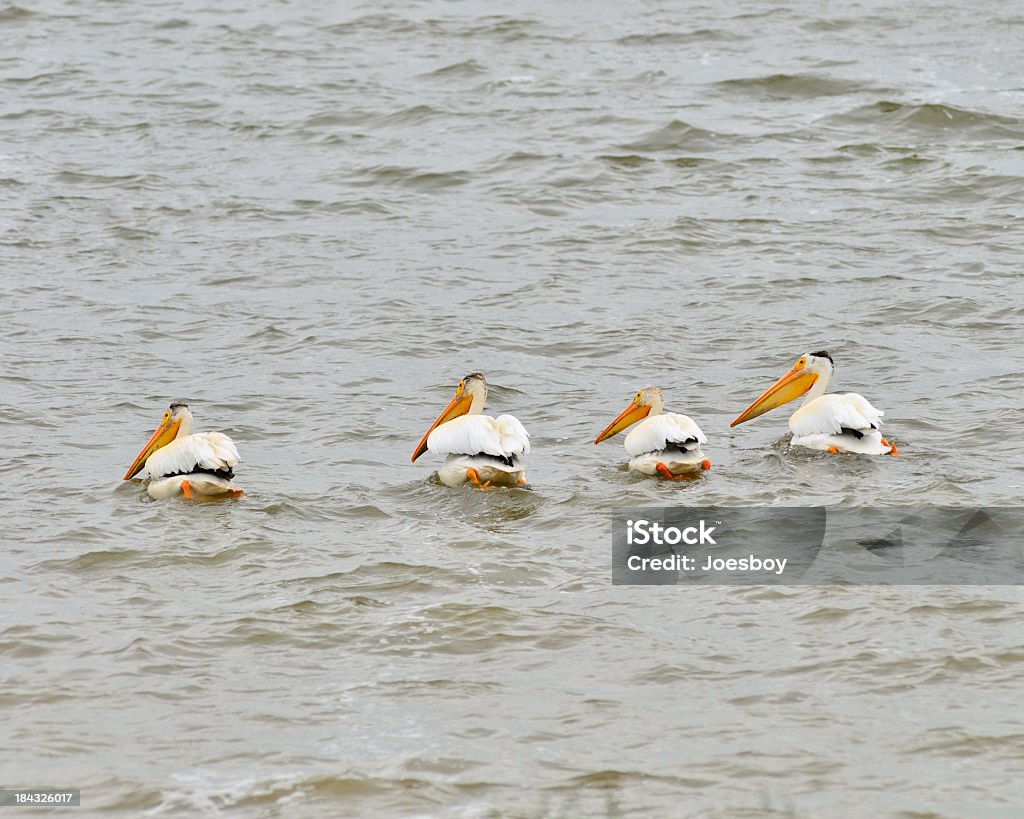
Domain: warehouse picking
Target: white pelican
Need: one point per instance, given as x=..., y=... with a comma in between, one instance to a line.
x=177, y=462
x=482, y=450
x=835, y=423
x=666, y=445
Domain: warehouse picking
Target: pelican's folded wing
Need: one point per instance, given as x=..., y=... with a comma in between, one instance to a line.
x=475, y=434
x=515, y=440
x=655, y=433
x=830, y=414
x=208, y=450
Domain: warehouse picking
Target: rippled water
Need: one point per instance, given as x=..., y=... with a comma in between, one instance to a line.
x=310, y=219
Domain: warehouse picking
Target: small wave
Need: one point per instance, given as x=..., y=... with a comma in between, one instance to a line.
x=10, y=13
x=172, y=23
x=208, y=793
x=932, y=117
x=91, y=561
x=131, y=234
x=793, y=86
x=126, y=181
x=507, y=29
x=386, y=23
x=411, y=115
x=627, y=160
x=676, y=135
x=45, y=78
x=346, y=116
x=703, y=35
x=834, y=24
x=410, y=177
x=958, y=742
x=466, y=68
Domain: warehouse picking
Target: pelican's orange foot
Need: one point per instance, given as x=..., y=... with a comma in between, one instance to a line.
x=235, y=493
x=474, y=478
x=705, y=464
x=522, y=480
x=186, y=490
x=893, y=451
x=666, y=473
x=834, y=450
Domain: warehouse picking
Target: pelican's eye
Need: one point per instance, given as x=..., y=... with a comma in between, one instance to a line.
x=167, y=417
x=462, y=386
x=800, y=364
x=639, y=398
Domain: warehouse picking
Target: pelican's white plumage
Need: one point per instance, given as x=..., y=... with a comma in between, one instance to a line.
x=179, y=463
x=502, y=437
x=481, y=450
x=834, y=422
x=829, y=414
x=847, y=423
x=666, y=444
x=205, y=450
x=656, y=433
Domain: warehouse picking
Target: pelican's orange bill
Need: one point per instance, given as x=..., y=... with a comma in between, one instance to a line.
x=459, y=405
x=165, y=433
x=792, y=385
x=629, y=416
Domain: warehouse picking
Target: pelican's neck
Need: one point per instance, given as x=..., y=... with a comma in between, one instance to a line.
x=185, y=427
x=818, y=389
x=657, y=407
x=477, y=407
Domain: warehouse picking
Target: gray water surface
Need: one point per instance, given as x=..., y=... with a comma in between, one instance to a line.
x=310, y=219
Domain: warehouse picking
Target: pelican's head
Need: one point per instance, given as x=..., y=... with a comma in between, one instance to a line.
x=810, y=369
x=647, y=401
x=474, y=385
x=469, y=399
x=177, y=422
